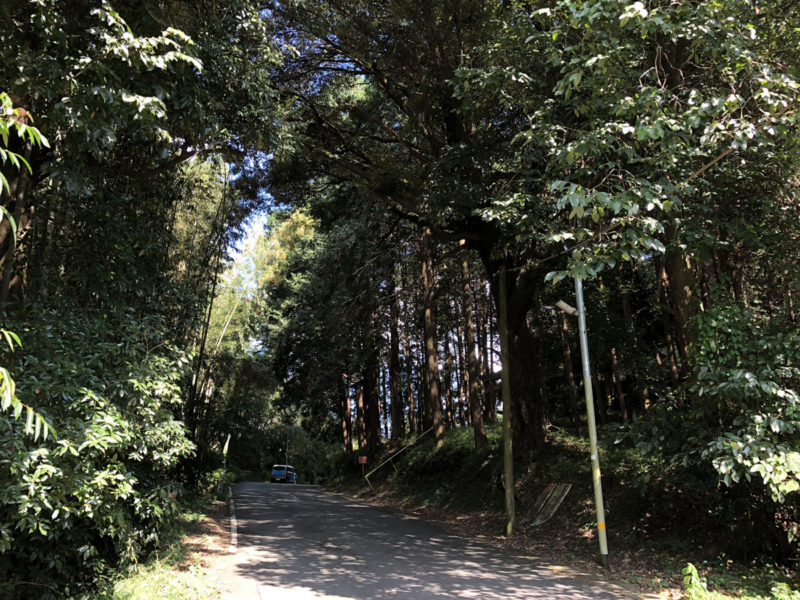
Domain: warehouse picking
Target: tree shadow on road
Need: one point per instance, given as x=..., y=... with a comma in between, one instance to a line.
x=298, y=541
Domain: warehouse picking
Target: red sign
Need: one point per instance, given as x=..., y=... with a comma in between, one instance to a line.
x=362, y=460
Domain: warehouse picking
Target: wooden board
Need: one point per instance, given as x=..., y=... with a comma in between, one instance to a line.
x=548, y=502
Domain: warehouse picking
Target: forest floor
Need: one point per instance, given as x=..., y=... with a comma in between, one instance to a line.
x=209, y=537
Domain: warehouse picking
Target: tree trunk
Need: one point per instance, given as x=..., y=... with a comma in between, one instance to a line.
x=572, y=396
x=192, y=401
x=542, y=394
x=431, y=351
x=484, y=332
x=372, y=400
x=474, y=394
x=525, y=373
x=608, y=392
x=615, y=369
x=601, y=405
x=423, y=391
x=662, y=294
x=463, y=379
x=448, y=384
x=682, y=285
x=395, y=390
x=385, y=400
x=408, y=353
x=640, y=380
x=361, y=417
x=347, y=425
x=508, y=408
x=51, y=227
x=490, y=327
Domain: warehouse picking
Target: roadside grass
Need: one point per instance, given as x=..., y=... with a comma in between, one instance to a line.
x=160, y=579
x=714, y=580
x=177, y=571
x=655, y=529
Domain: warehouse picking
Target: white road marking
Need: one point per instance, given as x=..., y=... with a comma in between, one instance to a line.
x=232, y=547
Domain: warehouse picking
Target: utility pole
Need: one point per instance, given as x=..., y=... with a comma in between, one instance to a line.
x=587, y=388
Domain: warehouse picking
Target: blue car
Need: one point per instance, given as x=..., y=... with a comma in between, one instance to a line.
x=284, y=473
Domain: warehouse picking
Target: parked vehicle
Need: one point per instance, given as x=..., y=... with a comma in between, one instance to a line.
x=284, y=473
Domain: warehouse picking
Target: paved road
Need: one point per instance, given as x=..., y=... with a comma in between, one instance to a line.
x=300, y=542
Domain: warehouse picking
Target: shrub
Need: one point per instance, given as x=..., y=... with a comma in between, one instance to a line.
x=733, y=446
x=98, y=492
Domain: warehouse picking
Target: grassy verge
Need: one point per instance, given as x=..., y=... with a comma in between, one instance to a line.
x=181, y=570
x=655, y=529
x=723, y=582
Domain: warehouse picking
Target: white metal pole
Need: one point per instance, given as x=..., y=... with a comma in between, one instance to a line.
x=587, y=388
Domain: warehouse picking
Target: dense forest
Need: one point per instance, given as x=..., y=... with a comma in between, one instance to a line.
x=335, y=224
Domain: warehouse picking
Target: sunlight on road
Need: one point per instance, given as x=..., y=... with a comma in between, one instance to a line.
x=305, y=544
x=275, y=592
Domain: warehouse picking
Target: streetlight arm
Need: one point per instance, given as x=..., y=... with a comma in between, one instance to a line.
x=570, y=310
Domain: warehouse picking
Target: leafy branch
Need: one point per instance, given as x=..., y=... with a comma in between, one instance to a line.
x=17, y=119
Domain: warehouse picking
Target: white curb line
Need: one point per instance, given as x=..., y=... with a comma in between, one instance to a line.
x=232, y=547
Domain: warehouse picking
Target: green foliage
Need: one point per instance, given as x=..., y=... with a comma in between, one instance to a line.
x=621, y=107
x=694, y=585
x=118, y=82
x=165, y=581
x=311, y=322
x=83, y=83
x=15, y=119
x=101, y=492
x=237, y=381
x=248, y=283
x=168, y=573
x=620, y=131
x=741, y=426
x=116, y=226
x=312, y=457
x=747, y=380
x=724, y=583
x=35, y=423
x=782, y=591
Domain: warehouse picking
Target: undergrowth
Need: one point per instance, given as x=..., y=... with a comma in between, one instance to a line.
x=168, y=573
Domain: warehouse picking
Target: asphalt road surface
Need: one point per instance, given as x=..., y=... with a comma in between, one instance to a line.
x=299, y=542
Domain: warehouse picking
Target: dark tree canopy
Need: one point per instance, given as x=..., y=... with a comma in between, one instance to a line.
x=286, y=222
